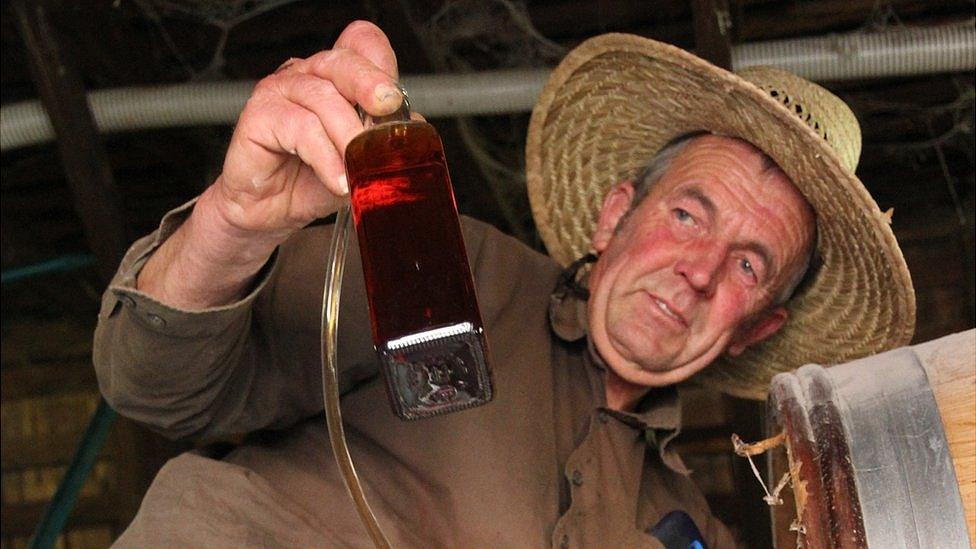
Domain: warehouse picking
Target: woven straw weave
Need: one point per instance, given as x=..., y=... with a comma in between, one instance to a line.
x=616, y=99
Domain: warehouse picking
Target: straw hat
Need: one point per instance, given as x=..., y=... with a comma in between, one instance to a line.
x=616, y=99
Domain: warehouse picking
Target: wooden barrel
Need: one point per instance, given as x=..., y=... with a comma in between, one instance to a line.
x=882, y=450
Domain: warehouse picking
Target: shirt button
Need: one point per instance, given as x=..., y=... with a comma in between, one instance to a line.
x=577, y=478
x=127, y=301
x=564, y=542
x=156, y=320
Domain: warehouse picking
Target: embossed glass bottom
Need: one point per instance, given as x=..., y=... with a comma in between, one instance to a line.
x=437, y=371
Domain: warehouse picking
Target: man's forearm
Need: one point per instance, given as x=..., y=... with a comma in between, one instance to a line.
x=207, y=262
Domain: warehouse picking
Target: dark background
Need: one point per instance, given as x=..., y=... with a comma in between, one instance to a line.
x=917, y=159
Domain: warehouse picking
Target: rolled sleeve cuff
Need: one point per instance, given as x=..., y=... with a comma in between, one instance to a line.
x=125, y=299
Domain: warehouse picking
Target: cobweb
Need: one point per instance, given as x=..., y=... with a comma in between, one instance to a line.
x=474, y=35
x=221, y=14
x=457, y=36
x=949, y=126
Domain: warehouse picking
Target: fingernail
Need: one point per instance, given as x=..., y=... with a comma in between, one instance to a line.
x=386, y=93
x=344, y=184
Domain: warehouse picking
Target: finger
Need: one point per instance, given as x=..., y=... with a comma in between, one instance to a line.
x=338, y=117
x=308, y=138
x=285, y=127
x=355, y=77
x=284, y=66
x=417, y=116
x=368, y=40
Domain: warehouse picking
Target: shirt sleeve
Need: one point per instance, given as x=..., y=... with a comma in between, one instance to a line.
x=253, y=364
x=249, y=365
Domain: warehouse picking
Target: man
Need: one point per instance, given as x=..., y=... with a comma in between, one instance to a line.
x=207, y=329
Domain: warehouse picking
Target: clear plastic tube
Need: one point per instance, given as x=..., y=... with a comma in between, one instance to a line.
x=330, y=377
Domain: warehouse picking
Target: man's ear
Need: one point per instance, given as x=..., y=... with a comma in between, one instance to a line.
x=767, y=325
x=615, y=205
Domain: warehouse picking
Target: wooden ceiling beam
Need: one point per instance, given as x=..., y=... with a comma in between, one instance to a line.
x=97, y=201
x=86, y=164
x=778, y=20
x=713, y=25
x=579, y=18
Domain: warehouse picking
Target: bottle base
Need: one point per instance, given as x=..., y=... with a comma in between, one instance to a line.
x=437, y=371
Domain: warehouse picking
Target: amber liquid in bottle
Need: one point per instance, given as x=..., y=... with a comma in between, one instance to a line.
x=427, y=328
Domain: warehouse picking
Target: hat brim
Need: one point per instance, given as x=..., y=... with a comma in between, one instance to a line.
x=616, y=99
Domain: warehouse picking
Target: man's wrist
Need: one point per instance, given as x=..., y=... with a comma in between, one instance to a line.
x=213, y=238
x=208, y=261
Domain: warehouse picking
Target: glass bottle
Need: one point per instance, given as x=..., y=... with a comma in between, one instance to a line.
x=426, y=325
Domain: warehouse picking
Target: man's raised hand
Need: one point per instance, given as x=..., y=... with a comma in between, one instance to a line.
x=284, y=167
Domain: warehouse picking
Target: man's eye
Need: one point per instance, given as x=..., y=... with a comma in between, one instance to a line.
x=746, y=266
x=683, y=216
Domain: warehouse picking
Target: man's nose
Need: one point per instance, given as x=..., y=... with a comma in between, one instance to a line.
x=700, y=266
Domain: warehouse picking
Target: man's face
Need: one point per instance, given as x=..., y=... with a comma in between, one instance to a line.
x=693, y=270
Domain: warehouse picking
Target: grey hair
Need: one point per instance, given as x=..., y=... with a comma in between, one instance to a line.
x=659, y=165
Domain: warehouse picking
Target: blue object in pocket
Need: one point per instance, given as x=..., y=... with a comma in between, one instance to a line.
x=677, y=531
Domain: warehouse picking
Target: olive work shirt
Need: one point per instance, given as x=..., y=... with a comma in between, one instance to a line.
x=544, y=464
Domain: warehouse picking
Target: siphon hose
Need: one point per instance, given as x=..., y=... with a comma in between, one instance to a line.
x=330, y=377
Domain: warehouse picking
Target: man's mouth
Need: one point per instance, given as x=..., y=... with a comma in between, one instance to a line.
x=670, y=313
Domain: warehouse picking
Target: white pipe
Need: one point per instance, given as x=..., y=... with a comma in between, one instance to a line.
x=474, y=94
x=836, y=57
x=908, y=52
